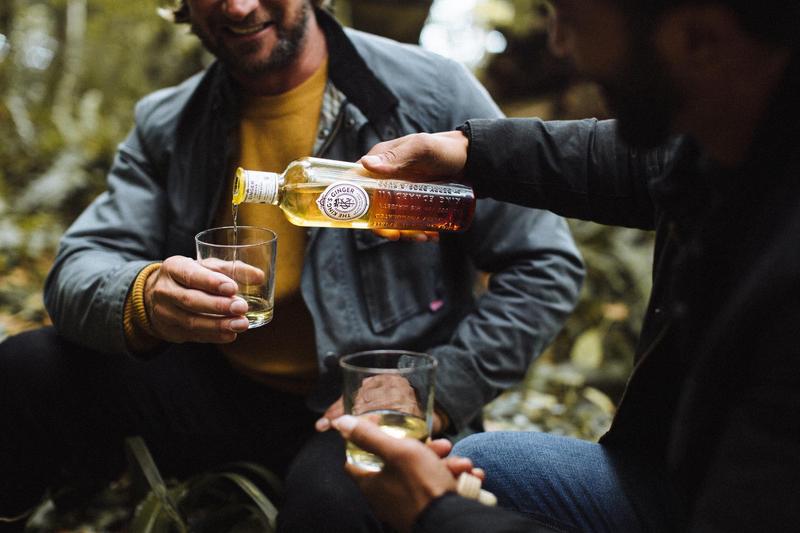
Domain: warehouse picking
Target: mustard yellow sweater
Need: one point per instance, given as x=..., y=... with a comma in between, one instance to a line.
x=274, y=130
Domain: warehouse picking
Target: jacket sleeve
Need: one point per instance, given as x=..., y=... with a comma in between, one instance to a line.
x=452, y=513
x=535, y=277
x=100, y=255
x=577, y=169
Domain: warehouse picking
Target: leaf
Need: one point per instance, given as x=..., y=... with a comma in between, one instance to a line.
x=600, y=399
x=587, y=352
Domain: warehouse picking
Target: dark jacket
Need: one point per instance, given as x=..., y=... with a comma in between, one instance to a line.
x=714, y=397
x=363, y=291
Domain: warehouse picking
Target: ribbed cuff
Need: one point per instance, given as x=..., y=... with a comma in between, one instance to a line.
x=138, y=330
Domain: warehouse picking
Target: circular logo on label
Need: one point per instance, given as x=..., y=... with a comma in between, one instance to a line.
x=343, y=201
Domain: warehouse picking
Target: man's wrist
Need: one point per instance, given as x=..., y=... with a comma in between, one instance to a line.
x=138, y=330
x=466, y=130
x=137, y=294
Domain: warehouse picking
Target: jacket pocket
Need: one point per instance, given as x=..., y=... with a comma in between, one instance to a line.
x=400, y=280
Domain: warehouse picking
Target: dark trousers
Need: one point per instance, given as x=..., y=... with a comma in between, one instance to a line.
x=65, y=408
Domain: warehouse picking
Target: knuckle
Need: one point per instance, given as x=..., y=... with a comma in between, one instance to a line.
x=171, y=264
x=380, y=147
x=390, y=155
x=158, y=312
x=189, y=277
x=222, y=307
x=184, y=298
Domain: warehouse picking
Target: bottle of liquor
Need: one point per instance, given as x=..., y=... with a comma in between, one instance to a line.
x=323, y=192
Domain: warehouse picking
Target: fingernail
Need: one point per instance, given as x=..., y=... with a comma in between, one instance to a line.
x=239, y=324
x=227, y=288
x=371, y=159
x=323, y=424
x=238, y=306
x=345, y=423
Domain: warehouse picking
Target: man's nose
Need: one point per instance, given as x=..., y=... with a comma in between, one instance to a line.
x=238, y=9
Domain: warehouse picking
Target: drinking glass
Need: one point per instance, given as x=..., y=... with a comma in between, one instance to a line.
x=393, y=389
x=246, y=254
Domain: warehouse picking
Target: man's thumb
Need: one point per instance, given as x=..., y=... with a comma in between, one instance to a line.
x=345, y=425
x=363, y=434
x=372, y=161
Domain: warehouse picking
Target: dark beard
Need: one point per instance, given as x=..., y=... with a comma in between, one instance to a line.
x=643, y=97
x=290, y=42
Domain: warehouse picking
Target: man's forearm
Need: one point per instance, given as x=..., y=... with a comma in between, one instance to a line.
x=577, y=169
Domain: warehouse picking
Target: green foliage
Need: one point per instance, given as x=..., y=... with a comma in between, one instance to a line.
x=519, y=18
x=234, y=498
x=70, y=73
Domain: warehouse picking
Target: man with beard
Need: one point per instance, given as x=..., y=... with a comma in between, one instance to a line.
x=149, y=342
x=707, y=435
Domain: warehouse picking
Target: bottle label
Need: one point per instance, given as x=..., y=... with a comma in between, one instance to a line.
x=434, y=189
x=343, y=201
x=261, y=187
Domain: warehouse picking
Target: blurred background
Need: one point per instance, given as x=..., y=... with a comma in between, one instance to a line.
x=71, y=71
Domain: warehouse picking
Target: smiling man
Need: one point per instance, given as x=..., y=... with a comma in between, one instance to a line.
x=148, y=342
x=707, y=435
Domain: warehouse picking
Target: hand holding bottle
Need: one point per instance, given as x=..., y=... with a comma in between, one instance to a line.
x=339, y=194
x=188, y=302
x=420, y=157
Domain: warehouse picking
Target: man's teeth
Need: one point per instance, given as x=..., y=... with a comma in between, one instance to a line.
x=248, y=30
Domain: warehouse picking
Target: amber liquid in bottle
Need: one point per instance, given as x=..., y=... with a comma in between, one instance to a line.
x=319, y=192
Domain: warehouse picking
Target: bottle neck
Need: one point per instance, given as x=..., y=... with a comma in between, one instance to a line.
x=256, y=187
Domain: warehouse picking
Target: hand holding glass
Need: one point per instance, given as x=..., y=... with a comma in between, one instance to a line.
x=246, y=254
x=393, y=389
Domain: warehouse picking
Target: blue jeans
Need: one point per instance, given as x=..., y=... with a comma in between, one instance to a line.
x=570, y=484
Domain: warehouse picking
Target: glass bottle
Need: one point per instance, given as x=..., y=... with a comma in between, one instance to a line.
x=323, y=192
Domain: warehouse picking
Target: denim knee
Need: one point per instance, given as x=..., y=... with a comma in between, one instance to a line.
x=485, y=449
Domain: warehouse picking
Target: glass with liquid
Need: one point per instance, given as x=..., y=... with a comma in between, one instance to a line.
x=393, y=389
x=246, y=254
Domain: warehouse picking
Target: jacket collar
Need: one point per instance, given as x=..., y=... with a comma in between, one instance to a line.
x=351, y=75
